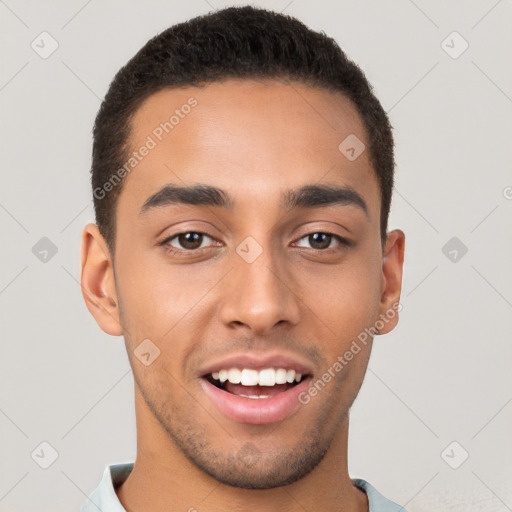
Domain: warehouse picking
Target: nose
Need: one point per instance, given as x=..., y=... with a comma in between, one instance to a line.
x=259, y=294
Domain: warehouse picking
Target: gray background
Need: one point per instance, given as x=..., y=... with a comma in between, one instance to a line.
x=443, y=375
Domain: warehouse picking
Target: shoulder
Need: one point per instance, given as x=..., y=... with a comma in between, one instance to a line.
x=104, y=496
x=377, y=502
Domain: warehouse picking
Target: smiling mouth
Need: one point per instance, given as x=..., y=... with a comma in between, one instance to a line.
x=255, y=384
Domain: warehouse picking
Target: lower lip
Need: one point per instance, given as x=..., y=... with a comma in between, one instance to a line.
x=256, y=411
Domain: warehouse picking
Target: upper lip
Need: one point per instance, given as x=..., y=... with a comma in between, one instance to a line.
x=258, y=361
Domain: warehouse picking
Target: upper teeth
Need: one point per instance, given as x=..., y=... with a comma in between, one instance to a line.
x=249, y=377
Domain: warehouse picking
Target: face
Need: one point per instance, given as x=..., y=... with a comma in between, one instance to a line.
x=266, y=272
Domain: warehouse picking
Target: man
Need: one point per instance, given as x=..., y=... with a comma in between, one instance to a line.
x=242, y=175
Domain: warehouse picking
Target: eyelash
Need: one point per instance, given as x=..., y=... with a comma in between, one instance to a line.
x=173, y=250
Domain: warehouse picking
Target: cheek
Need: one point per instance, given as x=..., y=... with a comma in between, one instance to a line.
x=152, y=295
x=164, y=303
x=345, y=299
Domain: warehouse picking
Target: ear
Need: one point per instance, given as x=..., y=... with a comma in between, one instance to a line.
x=392, y=267
x=98, y=281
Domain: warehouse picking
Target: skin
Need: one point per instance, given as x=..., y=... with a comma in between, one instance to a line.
x=254, y=140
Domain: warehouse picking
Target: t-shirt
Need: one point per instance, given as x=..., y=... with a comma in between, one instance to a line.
x=104, y=497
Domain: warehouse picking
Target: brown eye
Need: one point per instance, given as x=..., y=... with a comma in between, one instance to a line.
x=322, y=241
x=189, y=241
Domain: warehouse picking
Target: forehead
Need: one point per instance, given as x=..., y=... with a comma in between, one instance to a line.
x=256, y=139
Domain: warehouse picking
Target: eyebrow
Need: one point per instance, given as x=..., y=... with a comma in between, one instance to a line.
x=308, y=196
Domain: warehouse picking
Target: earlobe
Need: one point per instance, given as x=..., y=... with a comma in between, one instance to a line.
x=98, y=282
x=392, y=269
